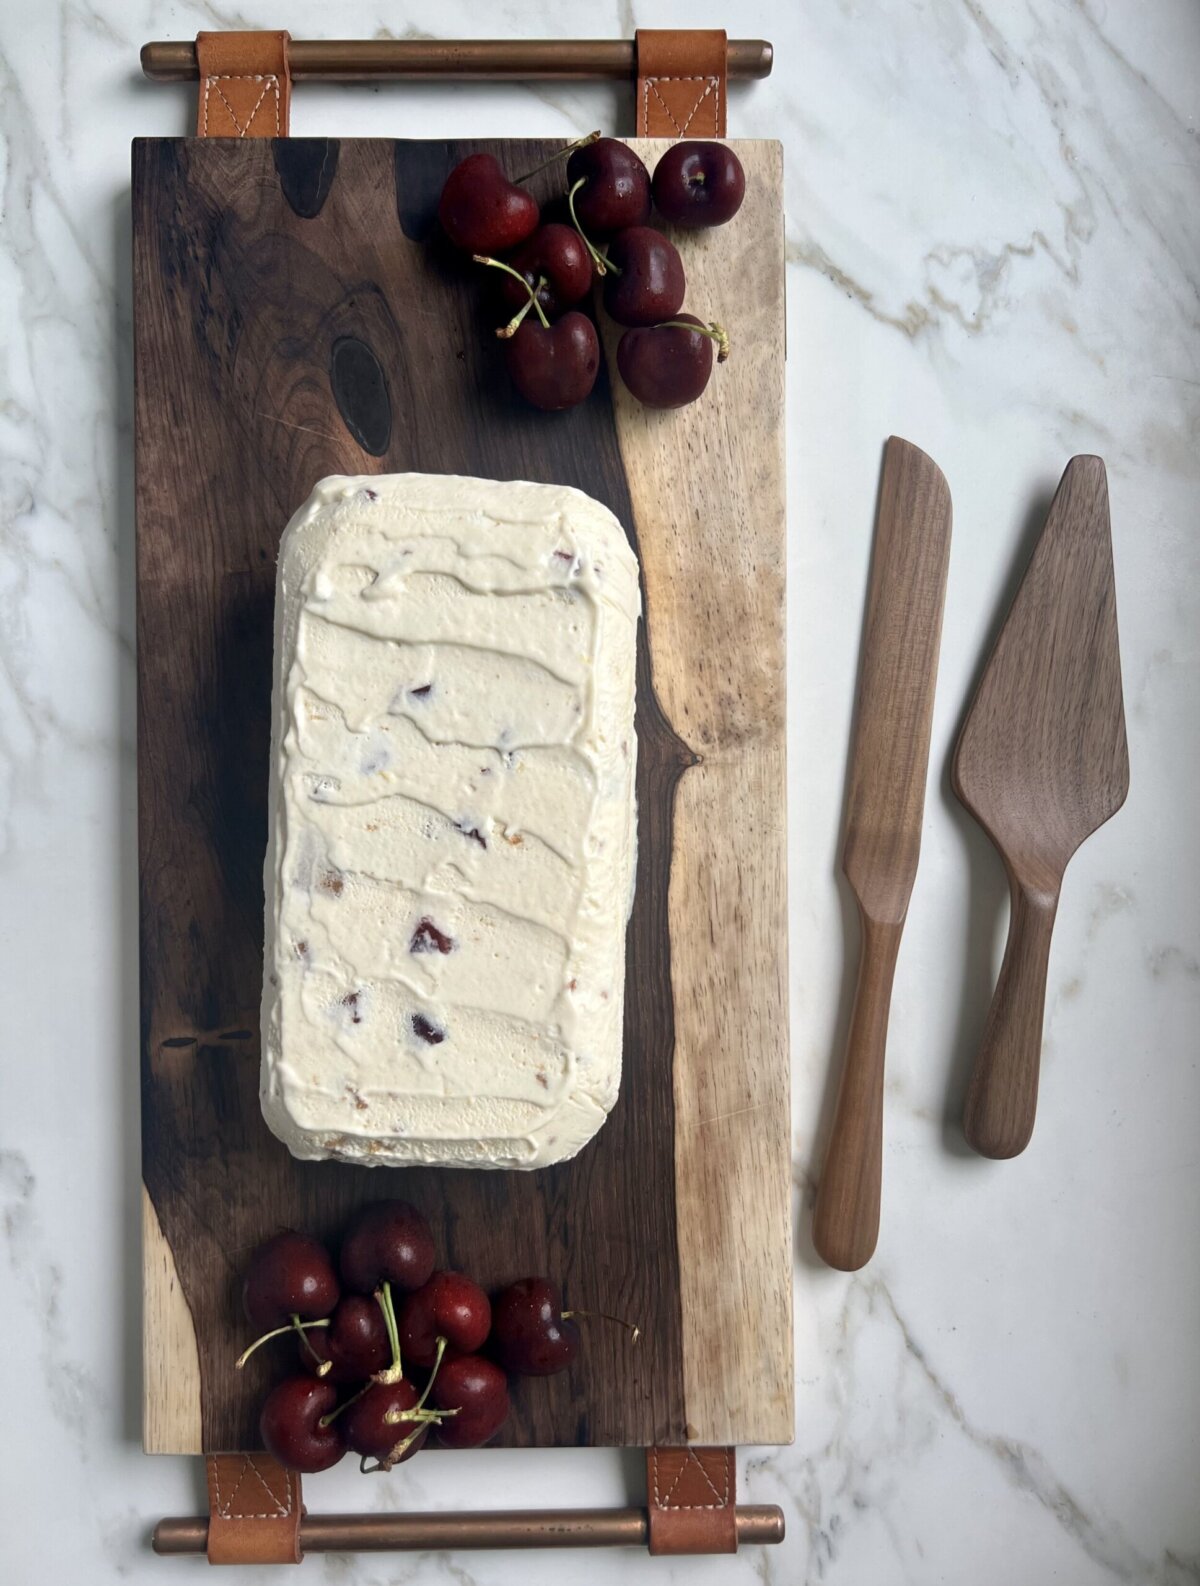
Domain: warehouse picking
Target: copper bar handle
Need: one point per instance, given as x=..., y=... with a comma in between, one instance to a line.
x=461, y=60
x=757, y=1524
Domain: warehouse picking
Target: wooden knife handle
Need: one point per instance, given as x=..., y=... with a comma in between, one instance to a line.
x=846, y=1225
x=1002, y=1097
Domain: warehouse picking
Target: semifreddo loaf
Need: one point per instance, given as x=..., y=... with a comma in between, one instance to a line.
x=452, y=833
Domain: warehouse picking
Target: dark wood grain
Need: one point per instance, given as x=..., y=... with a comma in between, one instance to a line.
x=1042, y=761
x=254, y=275
x=885, y=803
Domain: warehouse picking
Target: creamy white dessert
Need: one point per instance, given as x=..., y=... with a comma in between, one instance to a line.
x=452, y=822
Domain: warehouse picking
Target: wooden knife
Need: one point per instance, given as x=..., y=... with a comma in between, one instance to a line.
x=1041, y=762
x=884, y=806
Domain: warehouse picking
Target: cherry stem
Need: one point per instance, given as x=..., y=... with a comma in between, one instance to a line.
x=499, y=264
x=323, y=1366
x=401, y=1448
x=426, y=1417
x=396, y=1453
x=327, y=1420
x=437, y=1366
x=712, y=330
x=294, y=1325
x=579, y=143
x=603, y=265
x=507, y=331
x=418, y=1413
x=634, y=1332
x=383, y=1298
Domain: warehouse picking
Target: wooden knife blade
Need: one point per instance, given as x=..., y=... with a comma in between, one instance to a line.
x=885, y=803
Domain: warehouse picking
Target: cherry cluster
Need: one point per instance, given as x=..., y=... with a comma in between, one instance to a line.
x=391, y=1350
x=665, y=356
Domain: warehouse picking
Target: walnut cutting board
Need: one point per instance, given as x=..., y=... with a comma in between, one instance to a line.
x=297, y=317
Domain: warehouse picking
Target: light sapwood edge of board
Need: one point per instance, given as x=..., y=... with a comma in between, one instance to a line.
x=733, y=1183
x=170, y=1417
x=713, y=552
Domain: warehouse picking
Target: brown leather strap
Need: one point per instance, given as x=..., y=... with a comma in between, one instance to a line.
x=245, y=85
x=254, y=1510
x=692, y=1496
x=682, y=89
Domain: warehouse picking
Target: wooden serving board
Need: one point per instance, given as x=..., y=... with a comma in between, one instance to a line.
x=296, y=316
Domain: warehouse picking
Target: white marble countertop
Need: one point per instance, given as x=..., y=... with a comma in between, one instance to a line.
x=993, y=249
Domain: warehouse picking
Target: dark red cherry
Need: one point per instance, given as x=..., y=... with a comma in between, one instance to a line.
x=558, y=255
x=650, y=284
x=481, y=211
x=554, y=367
x=449, y=1306
x=287, y=1276
x=290, y=1425
x=531, y=1334
x=699, y=184
x=666, y=366
x=478, y=1390
x=616, y=187
x=367, y=1430
x=387, y=1242
x=355, y=1343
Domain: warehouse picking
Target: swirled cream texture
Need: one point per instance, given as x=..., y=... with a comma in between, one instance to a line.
x=452, y=822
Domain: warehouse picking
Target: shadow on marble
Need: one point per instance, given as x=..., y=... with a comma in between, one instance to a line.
x=987, y=885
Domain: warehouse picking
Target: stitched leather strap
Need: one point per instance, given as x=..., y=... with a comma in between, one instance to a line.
x=245, y=86
x=682, y=89
x=254, y=1510
x=692, y=1495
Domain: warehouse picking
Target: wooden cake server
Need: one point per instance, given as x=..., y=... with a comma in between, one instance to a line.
x=1041, y=763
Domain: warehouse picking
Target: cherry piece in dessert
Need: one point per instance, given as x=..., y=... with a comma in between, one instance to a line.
x=428, y=1032
x=668, y=366
x=380, y=1424
x=449, y=1306
x=290, y=1425
x=387, y=1242
x=699, y=184
x=646, y=283
x=531, y=1334
x=554, y=366
x=481, y=211
x=556, y=261
x=615, y=190
x=478, y=1390
x=427, y=938
x=355, y=1343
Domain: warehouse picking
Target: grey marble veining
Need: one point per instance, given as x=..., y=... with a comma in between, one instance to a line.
x=993, y=239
